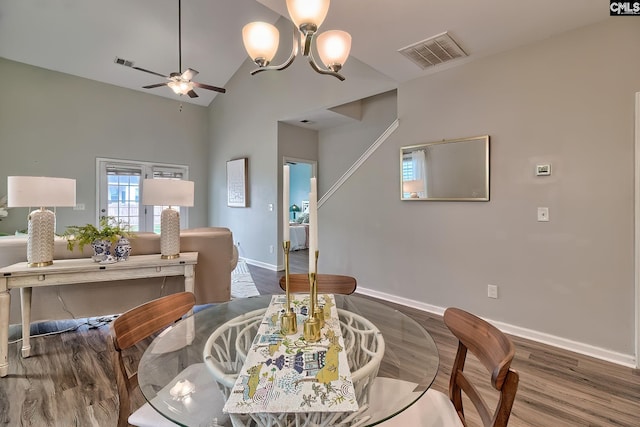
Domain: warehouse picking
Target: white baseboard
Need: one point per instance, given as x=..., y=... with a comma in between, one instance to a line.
x=566, y=344
x=260, y=264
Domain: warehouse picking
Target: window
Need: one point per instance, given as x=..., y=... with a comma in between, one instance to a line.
x=120, y=189
x=414, y=170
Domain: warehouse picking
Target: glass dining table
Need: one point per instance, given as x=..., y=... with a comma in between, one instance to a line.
x=174, y=378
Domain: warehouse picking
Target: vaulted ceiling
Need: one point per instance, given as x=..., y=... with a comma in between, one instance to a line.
x=83, y=37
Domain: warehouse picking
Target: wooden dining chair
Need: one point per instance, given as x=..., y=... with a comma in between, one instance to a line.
x=129, y=329
x=327, y=283
x=495, y=351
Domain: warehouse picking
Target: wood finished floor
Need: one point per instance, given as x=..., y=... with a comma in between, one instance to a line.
x=69, y=380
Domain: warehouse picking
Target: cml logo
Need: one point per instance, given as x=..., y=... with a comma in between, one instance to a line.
x=621, y=8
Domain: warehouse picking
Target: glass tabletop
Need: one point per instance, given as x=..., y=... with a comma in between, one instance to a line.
x=408, y=366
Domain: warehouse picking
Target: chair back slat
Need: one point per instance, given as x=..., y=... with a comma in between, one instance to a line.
x=146, y=319
x=495, y=351
x=327, y=283
x=134, y=326
x=492, y=347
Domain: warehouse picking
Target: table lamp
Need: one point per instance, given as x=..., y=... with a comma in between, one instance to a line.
x=168, y=192
x=413, y=187
x=31, y=191
x=294, y=208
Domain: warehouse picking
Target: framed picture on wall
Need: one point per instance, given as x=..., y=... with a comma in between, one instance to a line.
x=237, y=183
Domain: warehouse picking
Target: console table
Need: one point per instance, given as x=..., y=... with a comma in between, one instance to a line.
x=76, y=271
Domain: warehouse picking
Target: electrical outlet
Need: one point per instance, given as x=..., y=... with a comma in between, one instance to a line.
x=270, y=249
x=79, y=207
x=492, y=291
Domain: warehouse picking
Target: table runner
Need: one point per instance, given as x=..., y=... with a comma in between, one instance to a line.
x=286, y=374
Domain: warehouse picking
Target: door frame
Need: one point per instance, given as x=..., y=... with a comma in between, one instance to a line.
x=637, y=229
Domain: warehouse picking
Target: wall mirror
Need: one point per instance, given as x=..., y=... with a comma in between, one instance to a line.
x=456, y=169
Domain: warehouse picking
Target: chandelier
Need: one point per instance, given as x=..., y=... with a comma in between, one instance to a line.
x=261, y=39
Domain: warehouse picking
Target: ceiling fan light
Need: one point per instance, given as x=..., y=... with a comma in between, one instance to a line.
x=260, y=41
x=308, y=12
x=334, y=47
x=180, y=87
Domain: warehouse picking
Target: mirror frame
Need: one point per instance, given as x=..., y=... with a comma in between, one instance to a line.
x=483, y=139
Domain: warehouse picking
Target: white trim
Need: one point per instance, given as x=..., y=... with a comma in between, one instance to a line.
x=582, y=348
x=261, y=264
x=637, y=229
x=359, y=162
x=313, y=163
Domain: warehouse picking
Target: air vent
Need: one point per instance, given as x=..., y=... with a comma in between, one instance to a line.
x=124, y=62
x=433, y=51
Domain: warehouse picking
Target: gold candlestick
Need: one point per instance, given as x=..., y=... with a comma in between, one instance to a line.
x=318, y=312
x=312, y=325
x=288, y=320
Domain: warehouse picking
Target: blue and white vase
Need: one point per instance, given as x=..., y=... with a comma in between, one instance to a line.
x=122, y=249
x=101, y=249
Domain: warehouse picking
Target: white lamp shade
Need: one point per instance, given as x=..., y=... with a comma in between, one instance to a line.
x=334, y=47
x=167, y=192
x=40, y=191
x=261, y=40
x=308, y=11
x=413, y=186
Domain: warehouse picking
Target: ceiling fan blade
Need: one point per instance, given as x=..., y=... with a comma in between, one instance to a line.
x=204, y=86
x=155, y=85
x=189, y=74
x=192, y=94
x=150, y=72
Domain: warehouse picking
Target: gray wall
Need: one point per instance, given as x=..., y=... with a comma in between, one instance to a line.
x=54, y=124
x=244, y=123
x=568, y=101
x=341, y=146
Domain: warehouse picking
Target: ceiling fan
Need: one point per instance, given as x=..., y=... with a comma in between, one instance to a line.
x=180, y=83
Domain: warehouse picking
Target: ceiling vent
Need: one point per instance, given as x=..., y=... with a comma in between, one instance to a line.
x=433, y=51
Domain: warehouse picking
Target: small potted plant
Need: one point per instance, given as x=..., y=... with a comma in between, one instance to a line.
x=101, y=238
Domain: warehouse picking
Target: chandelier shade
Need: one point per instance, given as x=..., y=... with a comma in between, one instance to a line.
x=308, y=13
x=333, y=48
x=261, y=41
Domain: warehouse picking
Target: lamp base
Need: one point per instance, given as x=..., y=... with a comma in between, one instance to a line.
x=169, y=234
x=39, y=264
x=40, y=233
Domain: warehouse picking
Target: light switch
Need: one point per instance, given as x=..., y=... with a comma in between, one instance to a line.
x=543, y=214
x=543, y=170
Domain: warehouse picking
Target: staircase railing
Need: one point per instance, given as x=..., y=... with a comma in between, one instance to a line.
x=368, y=152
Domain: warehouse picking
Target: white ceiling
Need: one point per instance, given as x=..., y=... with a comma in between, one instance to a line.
x=83, y=37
